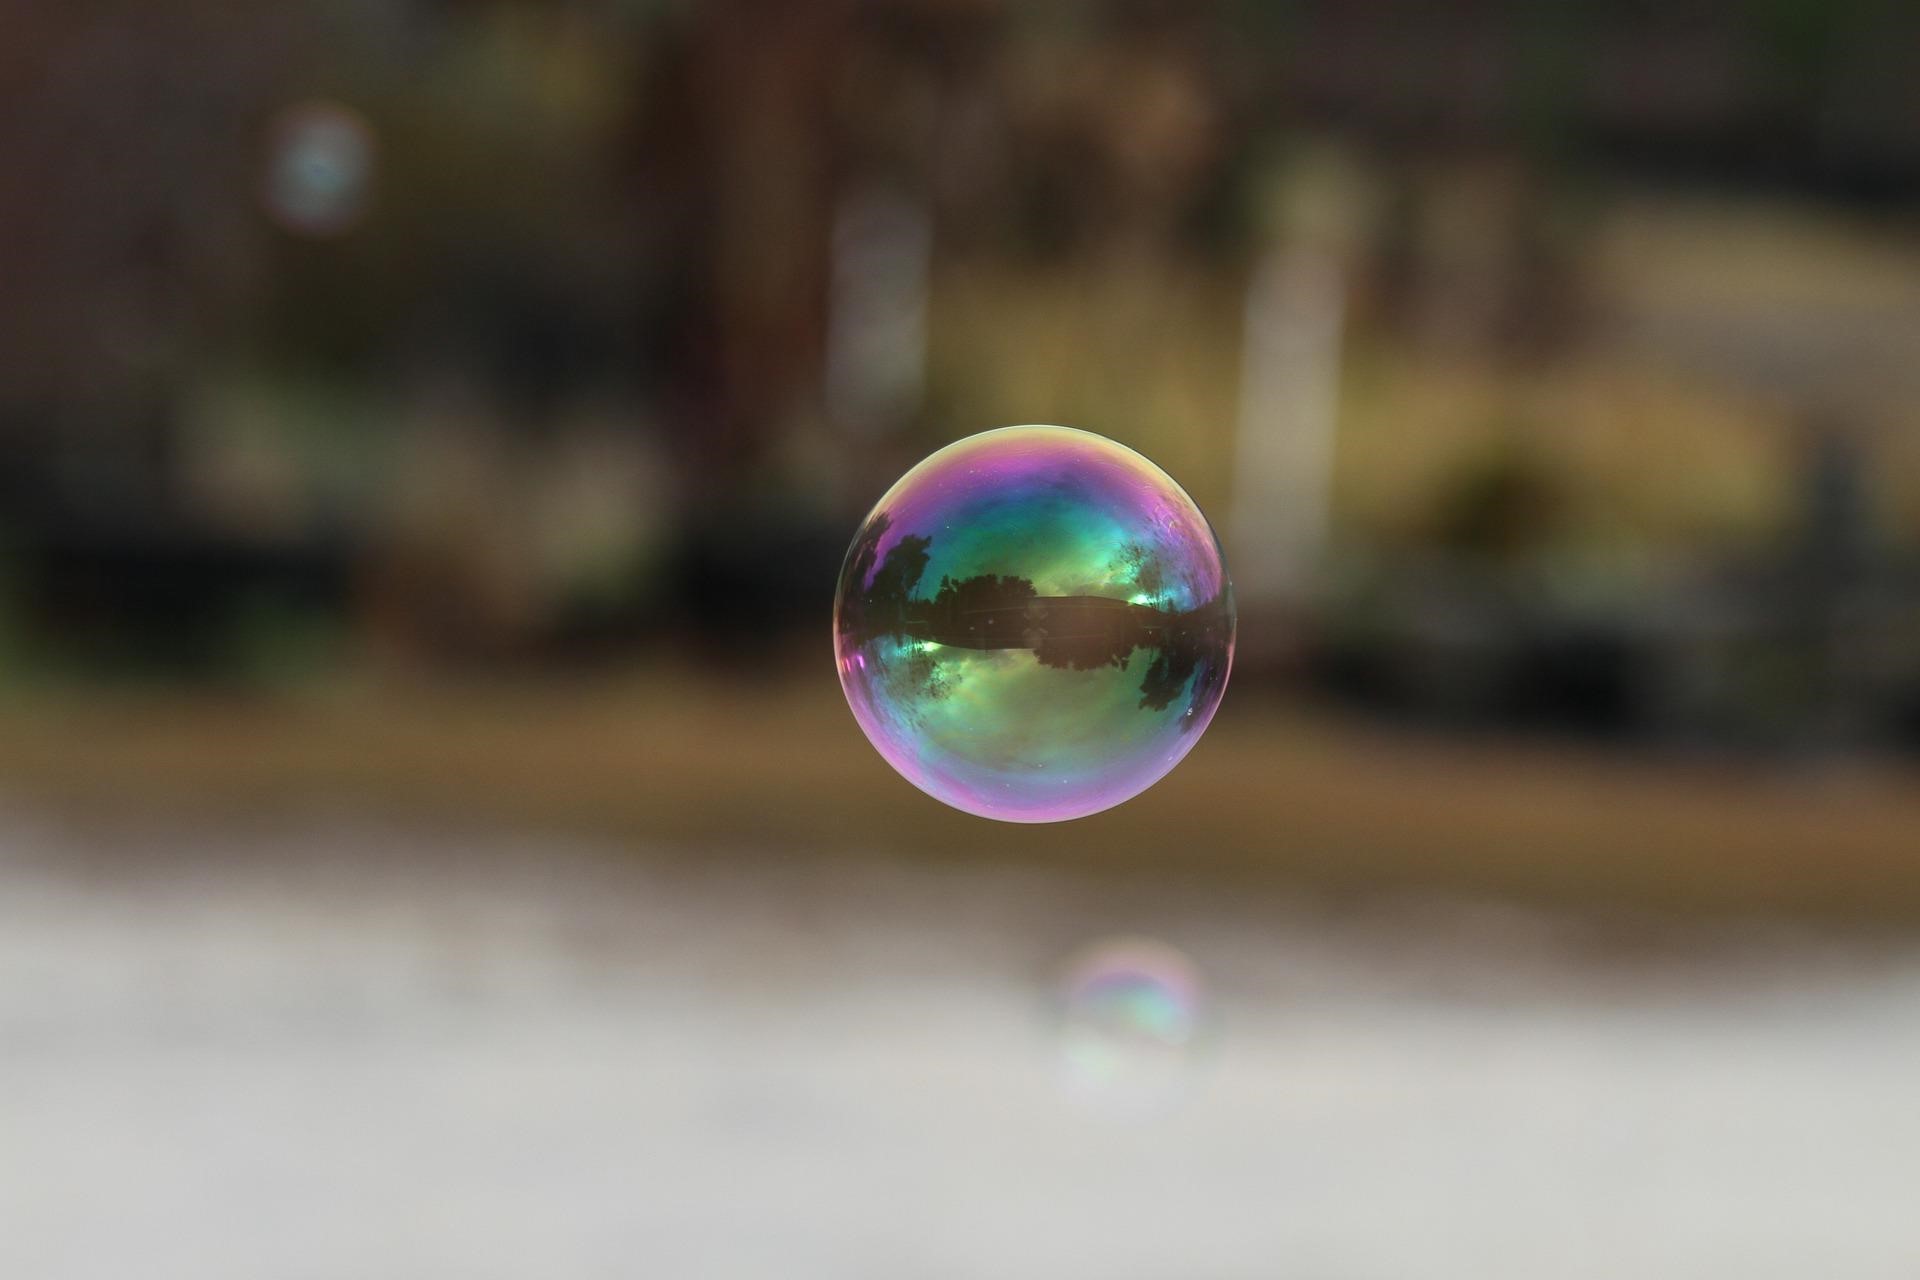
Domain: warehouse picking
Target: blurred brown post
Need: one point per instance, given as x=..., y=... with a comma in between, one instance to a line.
x=739, y=137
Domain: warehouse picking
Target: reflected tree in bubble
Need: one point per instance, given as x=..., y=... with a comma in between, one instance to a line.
x=1034, y=624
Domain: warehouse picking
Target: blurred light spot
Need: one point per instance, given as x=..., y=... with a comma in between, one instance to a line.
x=1131, y=1015
x=319, y=169
x=877, y=315
x=1289, y=410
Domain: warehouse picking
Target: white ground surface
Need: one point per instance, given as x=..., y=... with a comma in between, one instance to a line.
x=329, y=1048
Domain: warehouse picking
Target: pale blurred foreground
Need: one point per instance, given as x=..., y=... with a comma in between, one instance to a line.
x=320, y=1045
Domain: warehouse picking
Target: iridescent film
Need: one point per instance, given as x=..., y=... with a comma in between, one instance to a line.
x=1132, y=1011
x=1034, y=624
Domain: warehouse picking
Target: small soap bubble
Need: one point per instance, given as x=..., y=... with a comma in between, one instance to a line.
x=1034, y=624
x=1132, y=1015
x=319, y=169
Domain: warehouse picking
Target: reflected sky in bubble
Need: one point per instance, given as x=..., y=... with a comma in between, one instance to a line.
x=319, y=169
x=1034, y=624
x=1131, y=1016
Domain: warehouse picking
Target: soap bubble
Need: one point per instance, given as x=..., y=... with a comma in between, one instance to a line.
x=319, y=169
x=1034, y=624
x=1132, y=1015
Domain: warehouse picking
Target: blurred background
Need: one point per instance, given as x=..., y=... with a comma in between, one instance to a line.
x=432, y=842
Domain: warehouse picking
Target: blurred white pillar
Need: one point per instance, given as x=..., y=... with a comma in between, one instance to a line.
x=877, y=310
x=1289, y=392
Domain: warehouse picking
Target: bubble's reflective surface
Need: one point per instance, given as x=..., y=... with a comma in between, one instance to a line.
x=320, y=169
x=1131, y=1015
x=1034, y=624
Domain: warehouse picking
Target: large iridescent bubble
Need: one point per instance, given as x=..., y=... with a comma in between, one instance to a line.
x=1034, y=624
